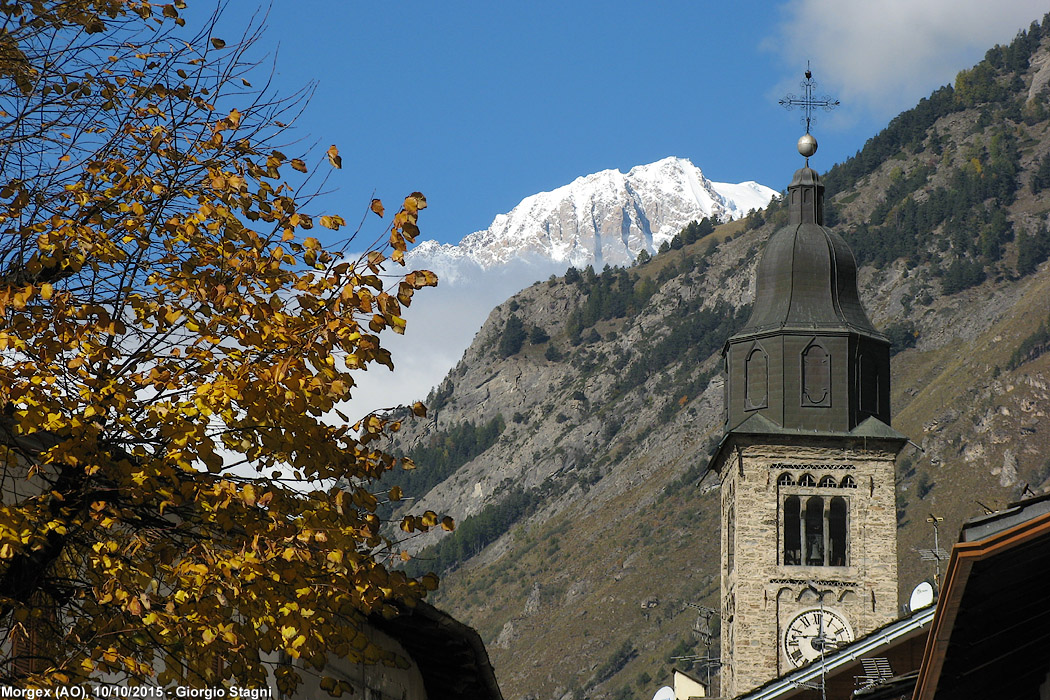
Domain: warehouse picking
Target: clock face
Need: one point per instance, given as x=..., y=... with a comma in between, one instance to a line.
x=812, y=632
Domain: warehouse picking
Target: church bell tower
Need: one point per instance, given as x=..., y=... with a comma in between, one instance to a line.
x=807, y=461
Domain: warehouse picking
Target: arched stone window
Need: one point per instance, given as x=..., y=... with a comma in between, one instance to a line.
x=792, y=531
x=756, y=379
x=816, y=376
x=807, y=480
x=837, y=532
x=848, y=482
x=814, y=553
x=785, y=479
x=828, y=482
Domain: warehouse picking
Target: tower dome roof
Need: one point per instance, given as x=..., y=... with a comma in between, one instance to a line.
x=807, y=276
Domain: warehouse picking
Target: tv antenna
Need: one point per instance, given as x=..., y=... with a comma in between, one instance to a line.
x=702, y=627
x=877, y=670
x=706, y=663
x=704, y=634
x=936, y=555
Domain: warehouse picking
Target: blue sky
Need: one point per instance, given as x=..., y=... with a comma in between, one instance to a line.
x=479, y=105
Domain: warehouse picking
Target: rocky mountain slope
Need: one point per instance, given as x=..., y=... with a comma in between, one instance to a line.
x=605, y=218
x=571, y=440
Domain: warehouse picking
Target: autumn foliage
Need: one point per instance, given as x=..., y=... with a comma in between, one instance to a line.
x=182, y=501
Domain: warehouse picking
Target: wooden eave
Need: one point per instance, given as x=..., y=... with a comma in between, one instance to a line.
x=993, y=609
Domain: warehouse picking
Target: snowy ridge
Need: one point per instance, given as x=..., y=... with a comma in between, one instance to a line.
x=599, y=219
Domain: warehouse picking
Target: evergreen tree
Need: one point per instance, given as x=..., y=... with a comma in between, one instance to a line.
x=1032, y=249
x=705, y=228
x=1041, y=177
x=538, y=336
x=513, y=337
x=755, y=219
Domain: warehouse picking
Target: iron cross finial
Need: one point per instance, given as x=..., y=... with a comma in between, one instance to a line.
x=807, y=102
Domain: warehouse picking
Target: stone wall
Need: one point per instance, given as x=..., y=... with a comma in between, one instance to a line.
x=761, y=594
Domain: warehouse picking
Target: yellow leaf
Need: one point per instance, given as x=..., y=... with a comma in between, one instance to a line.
x=46, y=290
x=419, y=409
x=235, y=118
x=395, y=493
x=377, y=207
x=421, y=278
x=332, y=222
x=334, y=158
x=218, y=43
x=299, y=165
x=414, y=202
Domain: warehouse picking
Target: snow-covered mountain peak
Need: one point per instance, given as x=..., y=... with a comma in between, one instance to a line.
x=604, y=218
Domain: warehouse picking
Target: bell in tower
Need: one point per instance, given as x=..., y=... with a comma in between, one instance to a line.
x=807, y=460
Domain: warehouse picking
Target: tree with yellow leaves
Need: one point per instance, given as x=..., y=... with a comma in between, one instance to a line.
x=178, y=506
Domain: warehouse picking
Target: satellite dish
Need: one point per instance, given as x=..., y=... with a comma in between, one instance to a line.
x=921, y=597
x=665, y=693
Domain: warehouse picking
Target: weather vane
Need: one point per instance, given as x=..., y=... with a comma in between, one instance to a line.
x=807, y=145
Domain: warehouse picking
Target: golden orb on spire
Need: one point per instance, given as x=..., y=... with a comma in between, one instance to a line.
x=807, y=145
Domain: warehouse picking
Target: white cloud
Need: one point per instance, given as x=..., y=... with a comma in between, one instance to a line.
x=442, y=322
x=882, y=57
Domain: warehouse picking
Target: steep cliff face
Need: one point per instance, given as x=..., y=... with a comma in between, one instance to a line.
x=589, y=526
x=580, y=406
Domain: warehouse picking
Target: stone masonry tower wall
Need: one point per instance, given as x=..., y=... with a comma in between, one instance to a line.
x=763, y=589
